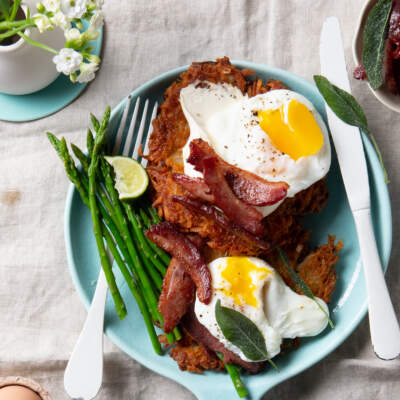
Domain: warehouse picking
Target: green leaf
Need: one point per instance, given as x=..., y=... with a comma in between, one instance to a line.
x=343, y=104
x=374, y=42
x=301, y=284
x=14, y=9
x=37, y=44
x=243, y=333
x=5, y=9
x=346, y=107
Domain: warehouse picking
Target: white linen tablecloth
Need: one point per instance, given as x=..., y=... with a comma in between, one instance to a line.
x=40, y=312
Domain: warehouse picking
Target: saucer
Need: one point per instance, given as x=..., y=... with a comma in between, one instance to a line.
x=60, y=93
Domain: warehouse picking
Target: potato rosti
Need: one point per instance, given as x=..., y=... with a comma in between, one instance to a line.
x=283, y=227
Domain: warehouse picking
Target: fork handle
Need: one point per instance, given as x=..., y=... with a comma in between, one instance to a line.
x=84, y=372
x=385, y=331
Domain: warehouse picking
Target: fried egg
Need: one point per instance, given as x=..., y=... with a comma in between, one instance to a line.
x=278, y=135
x=252, y=287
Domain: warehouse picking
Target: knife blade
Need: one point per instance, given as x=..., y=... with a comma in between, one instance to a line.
x=348, y=144
x=385, y=331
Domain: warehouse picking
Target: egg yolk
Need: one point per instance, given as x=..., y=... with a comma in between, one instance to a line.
x=240, y=273
x=297, y=135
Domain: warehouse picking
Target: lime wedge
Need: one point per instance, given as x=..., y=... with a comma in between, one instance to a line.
x=131, y=179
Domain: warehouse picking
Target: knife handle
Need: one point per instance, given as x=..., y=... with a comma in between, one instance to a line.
x=385, y=331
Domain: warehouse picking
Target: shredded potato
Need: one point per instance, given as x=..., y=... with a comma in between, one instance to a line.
x=282, y=227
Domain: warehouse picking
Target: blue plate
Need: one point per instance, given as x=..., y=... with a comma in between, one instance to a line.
x=348, y=305
x=60, y=93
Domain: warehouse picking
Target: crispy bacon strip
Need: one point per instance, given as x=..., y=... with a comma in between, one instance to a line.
x=223, y=198
x=247, y=186
x=255, y=192
x=211, y=212
x=195, y=186
x=176, y=243
x=236, y=210
x=243, y=190
x=177, y=294
x=201, y=334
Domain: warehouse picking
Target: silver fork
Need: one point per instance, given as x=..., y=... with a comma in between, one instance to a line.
x=84, y=372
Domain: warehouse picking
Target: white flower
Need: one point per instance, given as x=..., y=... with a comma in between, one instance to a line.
x=73, y=8
x=51, y=5
x=97, y=20
x=92, y=34
x=67, y=61
x=59, y=19
x=42, y=23
x=87, y=72
x=72, y=34
x=95, y=4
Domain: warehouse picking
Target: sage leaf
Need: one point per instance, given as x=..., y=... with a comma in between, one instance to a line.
x=343, y=104
x=375, y=32
x=301, y=284
x=346, y=107
x=243, y=333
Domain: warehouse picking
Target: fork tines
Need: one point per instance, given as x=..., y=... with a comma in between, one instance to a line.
x=127, y=141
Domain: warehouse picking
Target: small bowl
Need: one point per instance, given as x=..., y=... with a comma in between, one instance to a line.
x=382, y=94
x=27, y=382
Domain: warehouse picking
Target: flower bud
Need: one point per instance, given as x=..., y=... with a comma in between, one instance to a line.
x=40, y=8
x=93, y=58
x=92, y=34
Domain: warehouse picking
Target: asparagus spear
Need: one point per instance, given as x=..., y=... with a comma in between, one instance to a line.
x=112, y=220
x=81, y=182
x=72, y=172
x=111, y=210
x=142, y=241
x=105, y=262
x=135, y=291
x=85, y=162
x=115, y=232
x=138, y=233
x=160, y=252
x=153, y=257
x=95, y=122
x=151, y=298
x=154, y=216
x=175, y=335
x=233, y=372
x=148, y=293
x=154, y=274
x=89, y=141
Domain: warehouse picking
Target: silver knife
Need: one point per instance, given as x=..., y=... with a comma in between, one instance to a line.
x=385, y=331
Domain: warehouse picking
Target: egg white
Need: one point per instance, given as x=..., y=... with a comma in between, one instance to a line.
x=221, y=115
x=280, y=313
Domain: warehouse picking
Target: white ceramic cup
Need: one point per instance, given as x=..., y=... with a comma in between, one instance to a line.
x=25, y=68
